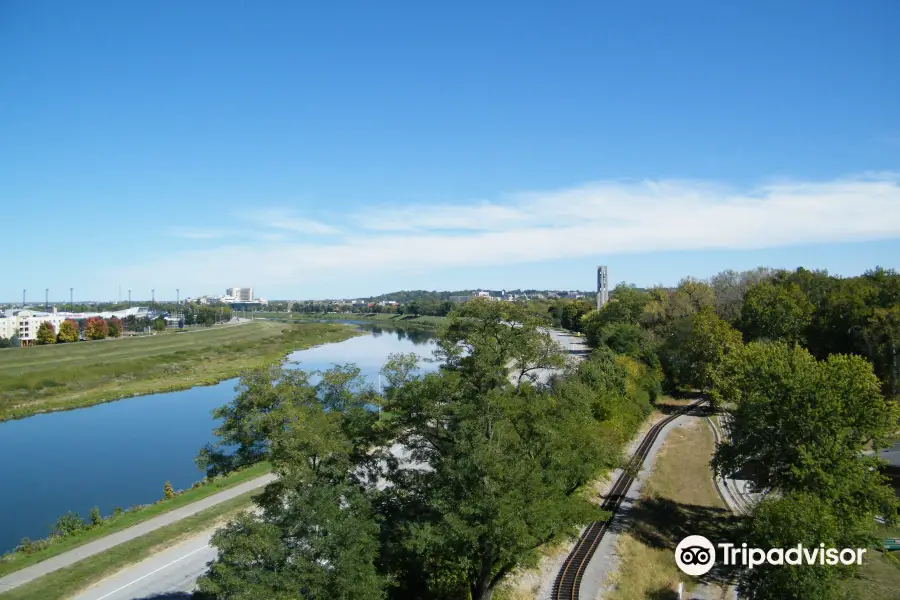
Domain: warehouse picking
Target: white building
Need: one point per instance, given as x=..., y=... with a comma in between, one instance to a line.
x=240, y=294
x=25, y=323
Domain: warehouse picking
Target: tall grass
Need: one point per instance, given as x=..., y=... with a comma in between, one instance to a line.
x=37, y=379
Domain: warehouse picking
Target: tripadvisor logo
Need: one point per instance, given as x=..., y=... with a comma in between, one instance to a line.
x=696, y=555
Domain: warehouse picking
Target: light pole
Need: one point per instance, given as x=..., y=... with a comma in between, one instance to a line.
x=23, y=298
x=71, y=304
x=47, y=299
x=152, y=298
x=129, y=298
x=177, y=296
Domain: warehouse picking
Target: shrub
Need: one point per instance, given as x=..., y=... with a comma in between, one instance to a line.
x=168, y=491
x=69, y=523
x=96, y=517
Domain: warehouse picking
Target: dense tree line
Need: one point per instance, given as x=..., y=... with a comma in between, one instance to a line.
x=499, y=462
x=806, y=366
x=198, y=314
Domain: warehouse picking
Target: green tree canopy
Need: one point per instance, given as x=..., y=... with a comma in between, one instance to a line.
x=784, y=522
x=114, y=326
x=46, y=334
x=776, y=312
x=800, y=426
x=703, y=350
x=68, y=331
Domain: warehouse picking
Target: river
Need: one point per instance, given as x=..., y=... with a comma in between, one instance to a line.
x=121, y=453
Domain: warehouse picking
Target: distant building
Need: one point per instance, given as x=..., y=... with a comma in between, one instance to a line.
x=602, y=286
x=460, y=299
x=25, y=323
x=240, y=294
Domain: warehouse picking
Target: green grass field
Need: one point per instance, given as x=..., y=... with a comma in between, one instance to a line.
x=64, y=376
x=14, y=561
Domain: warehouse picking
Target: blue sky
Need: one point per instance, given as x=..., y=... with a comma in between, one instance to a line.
x=351, y=149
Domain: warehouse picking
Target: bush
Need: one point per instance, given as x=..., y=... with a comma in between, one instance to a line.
x=69, y=523
x=96, y=517
x=168, y=491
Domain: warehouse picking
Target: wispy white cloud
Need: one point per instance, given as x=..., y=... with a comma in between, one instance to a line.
x=603, y=218
x=287, y=220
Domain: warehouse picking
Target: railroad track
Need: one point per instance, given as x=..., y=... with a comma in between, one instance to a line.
x=738, y=498
x=568, y=581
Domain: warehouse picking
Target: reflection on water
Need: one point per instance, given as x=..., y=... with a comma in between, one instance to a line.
x=418, y=337
x=121, y=453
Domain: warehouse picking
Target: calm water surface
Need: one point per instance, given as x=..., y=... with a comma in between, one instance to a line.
x=121, y=453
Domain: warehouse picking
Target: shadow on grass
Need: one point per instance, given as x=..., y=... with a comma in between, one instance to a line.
x=661, y=523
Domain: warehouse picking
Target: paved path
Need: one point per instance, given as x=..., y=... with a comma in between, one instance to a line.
x=72, y=556
x=169, y=574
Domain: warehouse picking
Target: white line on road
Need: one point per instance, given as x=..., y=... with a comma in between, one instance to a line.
x=152, y=572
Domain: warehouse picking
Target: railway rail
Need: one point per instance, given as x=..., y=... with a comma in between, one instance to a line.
x=739, y=500
x=568, y=581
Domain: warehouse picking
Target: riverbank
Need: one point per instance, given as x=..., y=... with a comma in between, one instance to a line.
x=66, y=376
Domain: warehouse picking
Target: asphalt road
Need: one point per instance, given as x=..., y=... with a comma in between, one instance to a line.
x=172, y=573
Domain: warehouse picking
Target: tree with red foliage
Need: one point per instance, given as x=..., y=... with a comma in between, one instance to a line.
x=96, y=329
x=114, y=325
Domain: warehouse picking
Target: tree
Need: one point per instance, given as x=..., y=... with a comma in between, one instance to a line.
x=784, y=522
x=68, y=332
x=317, y=534
x=159, y=324
x=776, y=312
x=688, y=298
x=506, y=460
x=96, y=517
x=729, y=288
x=621, y=338
x=572, y=313
x=5, y=343
x=168, y=491
x=704, y=350
x=46, y=334
x=114, y=326
x=626, y=305
x=95, y=329
x=800, y=426
x=14, y=341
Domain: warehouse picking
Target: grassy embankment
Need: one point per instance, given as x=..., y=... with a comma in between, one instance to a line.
x=377, y=318
x=65, y=582
x=879, y=577
x=15, y=561
x=65, y=376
